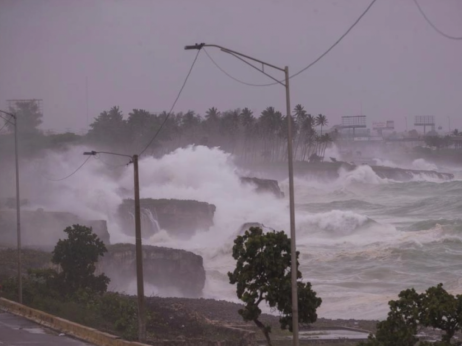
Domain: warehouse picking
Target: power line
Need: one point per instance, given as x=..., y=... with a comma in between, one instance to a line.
x=70, y=175
x=338, y=41
x=6, y=120
x=312, y=63
x=433, y=26
x=1, y=128
x=173, y=105
x=226, y=73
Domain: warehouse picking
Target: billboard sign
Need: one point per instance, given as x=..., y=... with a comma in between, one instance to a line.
x=383, y=125
x=424, y=120
x=379, y=125
x=354, y=121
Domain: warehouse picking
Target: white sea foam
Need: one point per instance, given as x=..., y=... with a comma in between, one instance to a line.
x=356, y=261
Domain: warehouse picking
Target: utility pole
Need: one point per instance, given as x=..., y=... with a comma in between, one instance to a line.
x=86, y=98
x=293, y=252
x=18, y=208
x=139, y=255
x=138, y=244
x=18, y=203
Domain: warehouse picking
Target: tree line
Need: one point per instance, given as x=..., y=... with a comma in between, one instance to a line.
x=237, y=131
x=248, y=136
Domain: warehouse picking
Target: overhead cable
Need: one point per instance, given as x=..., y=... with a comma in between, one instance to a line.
x=173, y=105
x=309, y=65
x=70, y=175
x=433, y=26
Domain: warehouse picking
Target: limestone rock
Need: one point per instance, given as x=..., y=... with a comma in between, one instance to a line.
x=181, y=218
x=264, y=185
x=43, y=229
x=173, y=272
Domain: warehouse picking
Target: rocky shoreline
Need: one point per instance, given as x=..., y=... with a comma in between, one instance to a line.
x=331, y=171
x=226, y=313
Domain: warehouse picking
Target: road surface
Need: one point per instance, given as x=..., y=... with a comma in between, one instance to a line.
x=17, y=331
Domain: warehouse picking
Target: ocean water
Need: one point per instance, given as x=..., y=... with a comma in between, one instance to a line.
x=362, y=239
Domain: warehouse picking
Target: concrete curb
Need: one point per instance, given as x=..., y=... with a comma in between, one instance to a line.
x=76, y=330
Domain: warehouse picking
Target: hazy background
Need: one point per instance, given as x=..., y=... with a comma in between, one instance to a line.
x=390, y=66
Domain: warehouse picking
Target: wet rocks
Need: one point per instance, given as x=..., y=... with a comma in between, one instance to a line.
x=172, y=272
x=264, y=185
x=43, y=229
x=180, y=218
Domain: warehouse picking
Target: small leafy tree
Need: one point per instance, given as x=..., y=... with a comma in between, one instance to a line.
x=400, y=328
x=441, y=310
x=434, y=308
x=263, y=274
x=77, y=256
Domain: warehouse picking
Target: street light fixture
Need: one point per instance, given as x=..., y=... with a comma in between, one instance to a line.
x=18, y=203
x=294, y=271
x=138, y=247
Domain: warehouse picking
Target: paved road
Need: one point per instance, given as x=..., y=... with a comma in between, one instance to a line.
x=17, y=331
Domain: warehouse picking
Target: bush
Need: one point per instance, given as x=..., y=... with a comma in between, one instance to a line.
x=434, y=308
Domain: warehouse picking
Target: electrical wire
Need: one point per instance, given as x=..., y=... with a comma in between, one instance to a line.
x=434, y=27
x=1, y=128
x=70, y=175
x=312, y=63
x=226, y=73
x=6, y=120
x=173, y=105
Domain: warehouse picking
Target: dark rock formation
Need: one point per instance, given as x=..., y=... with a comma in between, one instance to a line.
x=43, y=229
x=169, y=270
x=330, y=171
x=181, y=218
x=264, y=185
x=173, y=272
x=408, y=174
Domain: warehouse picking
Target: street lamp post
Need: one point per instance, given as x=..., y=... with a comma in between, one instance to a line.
x=138, y=245
x=18, y=203
x=294, y=270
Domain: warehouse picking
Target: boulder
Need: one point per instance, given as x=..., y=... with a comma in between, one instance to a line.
x=43, y=229
x=264, y=185
x=173, y=272
x=180, y=218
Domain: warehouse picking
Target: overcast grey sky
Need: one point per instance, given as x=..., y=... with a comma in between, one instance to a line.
x=390, y=66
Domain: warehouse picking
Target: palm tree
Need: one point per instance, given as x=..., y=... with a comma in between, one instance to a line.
x=310, y=141
x=212, y=114
x=300, y=117
x=321, y=120
x=190, y=125
x=247, y=118
x=270, y=123
x=247, y=131
x=211, y=123
x=326, y=141
x=300, y=114
x=229, y=128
